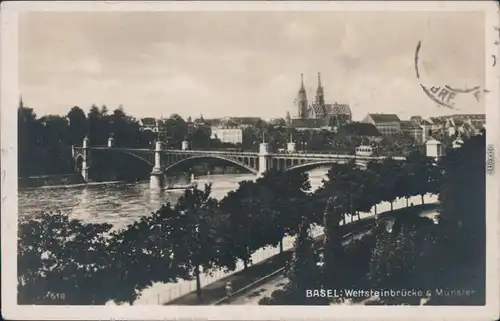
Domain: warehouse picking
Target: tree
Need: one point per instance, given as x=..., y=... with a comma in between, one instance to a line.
x=304, y=271
x=419, y=171
x=461, y=251
x=104, y=110
x=251, y=138
x=246, y=216
x=194, y=232
x=177, y=130
x=200, y=137
x=77, y=125
x=63, y=261
x=367, y=195
x=333, y=251
x=340, y=182
x=389, y=172
x=397, y=258
x=286, y=195
x=145, y=252
x=96, y=128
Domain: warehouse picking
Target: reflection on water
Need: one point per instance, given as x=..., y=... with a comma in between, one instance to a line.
x=120, y=204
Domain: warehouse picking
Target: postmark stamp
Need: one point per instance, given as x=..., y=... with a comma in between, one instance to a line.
x=445, y=95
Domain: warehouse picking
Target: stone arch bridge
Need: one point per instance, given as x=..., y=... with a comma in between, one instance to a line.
x=163, y=161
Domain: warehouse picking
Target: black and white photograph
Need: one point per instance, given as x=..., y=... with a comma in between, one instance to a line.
x=238, y=160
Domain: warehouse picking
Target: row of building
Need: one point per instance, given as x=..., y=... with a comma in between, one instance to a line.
x=227, y=130
x=320, y=115
x=422, y=129
x=373, y=126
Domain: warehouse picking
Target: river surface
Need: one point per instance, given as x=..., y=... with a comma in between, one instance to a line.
x=120, y=204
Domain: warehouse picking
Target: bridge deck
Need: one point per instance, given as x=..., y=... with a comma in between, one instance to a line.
x=302, y=155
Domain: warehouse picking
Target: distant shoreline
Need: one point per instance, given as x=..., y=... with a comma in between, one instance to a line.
x=73, y=181
x=49, y=180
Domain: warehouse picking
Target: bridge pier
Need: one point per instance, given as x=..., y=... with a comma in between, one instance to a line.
x=157, y=178
x=263, y=158
x=85, y=163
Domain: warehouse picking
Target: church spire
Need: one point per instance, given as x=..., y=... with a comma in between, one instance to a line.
x=320, y=97
x=302, y=99
x=21, y=103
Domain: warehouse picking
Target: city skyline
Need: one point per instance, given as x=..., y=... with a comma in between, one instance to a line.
x=220, y=64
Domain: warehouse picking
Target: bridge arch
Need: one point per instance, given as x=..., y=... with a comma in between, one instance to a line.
x=137, y=157
x=229, y=160
x=79, y=163
x=326, y=162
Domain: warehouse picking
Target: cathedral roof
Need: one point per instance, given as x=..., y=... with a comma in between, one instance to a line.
x=330, y=110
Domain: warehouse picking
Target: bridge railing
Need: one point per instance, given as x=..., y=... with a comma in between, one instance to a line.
x=285, y=154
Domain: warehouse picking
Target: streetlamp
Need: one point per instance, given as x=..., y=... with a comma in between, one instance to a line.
x=229, y=290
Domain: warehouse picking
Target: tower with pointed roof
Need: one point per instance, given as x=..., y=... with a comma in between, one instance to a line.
x=302, y=99
x=320, y=96
x=288, y=119
x=21, y=103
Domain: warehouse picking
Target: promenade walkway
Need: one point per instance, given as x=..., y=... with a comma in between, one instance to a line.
x=253, y=294
x=215, y=291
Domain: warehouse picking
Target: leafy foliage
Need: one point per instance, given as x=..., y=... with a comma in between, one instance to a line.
x=62, y=259
x=304, y=273
x=246, y=214
x=285, y=202
x=194, y=232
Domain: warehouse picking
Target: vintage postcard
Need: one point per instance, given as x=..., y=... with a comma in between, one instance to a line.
x=250, y=160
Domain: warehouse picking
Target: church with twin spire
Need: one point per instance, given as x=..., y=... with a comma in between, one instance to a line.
x=318, y=114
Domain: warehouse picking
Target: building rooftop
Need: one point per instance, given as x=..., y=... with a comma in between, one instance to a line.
x=212, y=121
x=229, y=122
x=330, y=109
x=465, y=116
x=437, y=121
x=384, y=118
x=409, y=125
x=426, y=122
x=246, y=120
x=148, y=121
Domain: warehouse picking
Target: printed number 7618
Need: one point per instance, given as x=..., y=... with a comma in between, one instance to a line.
x=55, y=296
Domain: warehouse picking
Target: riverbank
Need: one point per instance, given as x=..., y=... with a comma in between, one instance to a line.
x=50, y=180
x=263, y=271
x=161, y=293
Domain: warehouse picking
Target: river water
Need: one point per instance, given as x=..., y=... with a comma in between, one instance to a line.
x=120, y=204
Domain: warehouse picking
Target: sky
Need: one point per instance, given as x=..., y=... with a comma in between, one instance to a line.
x=247, y=63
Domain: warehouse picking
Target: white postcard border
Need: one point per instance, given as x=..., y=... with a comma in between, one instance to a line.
x=9, y=206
